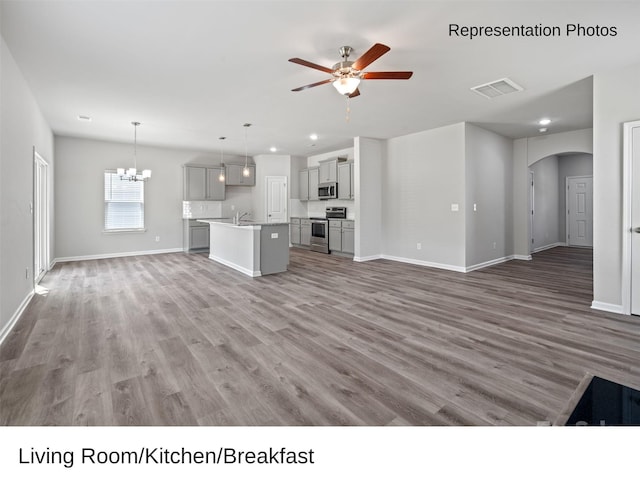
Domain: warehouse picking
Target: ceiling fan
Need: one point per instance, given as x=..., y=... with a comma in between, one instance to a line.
x=346, y=75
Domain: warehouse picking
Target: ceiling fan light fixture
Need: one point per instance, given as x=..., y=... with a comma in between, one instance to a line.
x=346, y=85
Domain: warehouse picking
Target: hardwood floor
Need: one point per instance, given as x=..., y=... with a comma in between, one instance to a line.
x=178, y=339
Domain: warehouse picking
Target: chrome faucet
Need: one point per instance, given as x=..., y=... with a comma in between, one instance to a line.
x=238, y=216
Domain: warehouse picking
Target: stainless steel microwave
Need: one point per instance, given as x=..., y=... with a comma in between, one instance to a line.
x=327, y=190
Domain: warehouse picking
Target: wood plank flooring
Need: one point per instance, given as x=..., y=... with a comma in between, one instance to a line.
x=178, y=339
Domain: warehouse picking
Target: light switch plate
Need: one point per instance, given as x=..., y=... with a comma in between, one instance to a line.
x=274, y=235
x=455, y=207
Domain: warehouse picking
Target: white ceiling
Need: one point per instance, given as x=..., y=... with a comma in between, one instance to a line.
x=192, y=71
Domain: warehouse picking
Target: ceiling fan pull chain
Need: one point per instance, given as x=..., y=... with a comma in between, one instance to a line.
x=348, y=108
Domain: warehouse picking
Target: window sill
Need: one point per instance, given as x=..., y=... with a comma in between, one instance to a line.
x=125, y=230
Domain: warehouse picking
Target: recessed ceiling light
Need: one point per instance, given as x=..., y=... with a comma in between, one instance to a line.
x=544, y=121
x=273, y=149
x=84, y=118
x=313, y=136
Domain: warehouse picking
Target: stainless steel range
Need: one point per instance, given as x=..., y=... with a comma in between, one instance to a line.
x=320, y=228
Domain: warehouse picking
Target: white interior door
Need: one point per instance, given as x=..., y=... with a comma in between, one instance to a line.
x=276, y=199
x=580, y=211
x=40, y=217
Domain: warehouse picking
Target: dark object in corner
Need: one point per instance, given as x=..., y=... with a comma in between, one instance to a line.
x=605, y=403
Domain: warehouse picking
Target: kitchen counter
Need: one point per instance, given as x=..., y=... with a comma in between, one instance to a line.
x=253, y=248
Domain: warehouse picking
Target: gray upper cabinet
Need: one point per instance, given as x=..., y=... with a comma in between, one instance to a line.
x=304, y=184
x=345, y=181
x=327, y=171
x=313, y=183
x=235, y=177
x=202, y=183
x=215, y=188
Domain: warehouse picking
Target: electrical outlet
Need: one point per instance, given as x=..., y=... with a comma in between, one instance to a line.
x=455, y=207
x=157, y=238
x=419, y=246
x=475, y=207
x=274, y=235
x=494, y=245
x=233, y=207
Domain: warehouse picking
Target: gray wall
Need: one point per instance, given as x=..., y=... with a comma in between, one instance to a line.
x=423, y=175
x=546, y=206
x=488, y=184
x=22, y=128
x=368, y=159
x=615, y=101
x=268, y=165
x=80, y=204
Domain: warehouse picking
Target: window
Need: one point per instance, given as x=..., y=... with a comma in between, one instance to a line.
x=123, y=203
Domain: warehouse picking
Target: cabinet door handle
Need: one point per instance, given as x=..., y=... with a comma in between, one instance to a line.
x=637, y=229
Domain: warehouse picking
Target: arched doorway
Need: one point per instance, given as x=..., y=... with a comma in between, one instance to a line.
x=561, y=201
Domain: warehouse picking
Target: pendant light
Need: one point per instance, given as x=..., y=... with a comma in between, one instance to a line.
x=132, y=174
x=245, y=171
x=221, y=176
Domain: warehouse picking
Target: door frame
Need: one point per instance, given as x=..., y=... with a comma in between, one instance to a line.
x=566, y=207
x=532, y=210
x=627, y=196
x=266, y=195
x=41, y=216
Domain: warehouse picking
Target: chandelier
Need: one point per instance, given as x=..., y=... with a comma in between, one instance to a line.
x=132, y=174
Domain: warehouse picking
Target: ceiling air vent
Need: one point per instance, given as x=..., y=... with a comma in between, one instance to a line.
x=497, y=88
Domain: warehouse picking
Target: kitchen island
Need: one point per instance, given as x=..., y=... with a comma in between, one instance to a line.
x=253, y=248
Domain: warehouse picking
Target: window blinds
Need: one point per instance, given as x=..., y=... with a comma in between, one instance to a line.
x=123, y=203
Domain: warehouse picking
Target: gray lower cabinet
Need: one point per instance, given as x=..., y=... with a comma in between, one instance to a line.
x=196, y=236
x=335, y=235
x=348, y=236
x=199, y=237
x=341, y=236
x=294, y=227
x=305, y=232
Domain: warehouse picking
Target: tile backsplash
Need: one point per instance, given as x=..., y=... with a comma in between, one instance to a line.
x=201, y=209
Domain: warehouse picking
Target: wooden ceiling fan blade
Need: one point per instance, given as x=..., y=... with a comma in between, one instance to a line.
x=370, y=56
x=304, y=63
x=387, y=75
x=355, y=93
x=328, y=80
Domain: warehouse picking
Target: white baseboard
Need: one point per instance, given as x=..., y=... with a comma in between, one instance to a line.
x=489, y=263
x=547, y=247
x=116, y=255
x=15, y=317
x=241, y=269
x=367, y=259
x=607, y=307
x=423, y=263
x=522, y=257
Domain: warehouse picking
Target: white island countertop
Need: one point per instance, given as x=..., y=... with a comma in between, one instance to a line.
x=242, y=223
x=253, y=248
